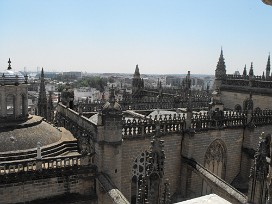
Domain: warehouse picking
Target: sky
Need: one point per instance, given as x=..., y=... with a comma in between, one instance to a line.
x=161, y=36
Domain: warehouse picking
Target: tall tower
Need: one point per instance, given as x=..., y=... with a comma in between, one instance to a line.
x=137, y=82
x=268, y=68
x=42, y=101
x=109, y=141
x=220, y=72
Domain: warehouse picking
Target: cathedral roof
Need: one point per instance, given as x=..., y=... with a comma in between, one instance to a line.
x=16, y=136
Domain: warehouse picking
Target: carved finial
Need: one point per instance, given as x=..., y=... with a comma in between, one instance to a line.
x=9, y=66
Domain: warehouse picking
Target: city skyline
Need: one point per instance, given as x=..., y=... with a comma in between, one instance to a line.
x=113, y=36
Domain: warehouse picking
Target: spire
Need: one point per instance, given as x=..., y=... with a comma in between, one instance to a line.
x=42, y=73
x=268, y=63
x=137, y=72
x=251, y=73
x=42, y=101
x=9, y=66
x=137, y=82
x=245, y=71
x=220, y=71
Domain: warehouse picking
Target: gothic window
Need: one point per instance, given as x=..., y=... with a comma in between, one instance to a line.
x=10, y=101
x=215, y=161
x=138, y=172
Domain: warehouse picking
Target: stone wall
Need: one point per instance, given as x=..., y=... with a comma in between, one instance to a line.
x=252, y=137
x=195, y=147
x=31, y=189
x=231, y=98
x=132, y=148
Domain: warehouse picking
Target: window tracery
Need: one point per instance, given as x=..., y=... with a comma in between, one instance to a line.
x=214, y=161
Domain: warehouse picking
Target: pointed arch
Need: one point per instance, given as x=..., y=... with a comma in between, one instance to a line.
x=215, y=161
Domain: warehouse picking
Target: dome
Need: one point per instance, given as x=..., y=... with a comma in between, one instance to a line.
x=10, y=77
x=16, y=136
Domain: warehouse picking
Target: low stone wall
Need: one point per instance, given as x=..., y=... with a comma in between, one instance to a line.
x=29, y=186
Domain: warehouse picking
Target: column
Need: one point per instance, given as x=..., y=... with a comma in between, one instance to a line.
x=4, y=104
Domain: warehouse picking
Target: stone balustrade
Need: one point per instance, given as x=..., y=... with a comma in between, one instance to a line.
x=228, y=119
x=140, y=127
x=241, y=80
x=178, y=123
x=262, y=117
x=43, y=164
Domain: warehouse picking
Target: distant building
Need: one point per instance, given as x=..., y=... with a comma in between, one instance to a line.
x=72, y=75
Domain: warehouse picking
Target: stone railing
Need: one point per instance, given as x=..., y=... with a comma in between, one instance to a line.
x=74, y=122
x=227, y=119
x=236, y=82
x=179, y=123
x=262, y=117
x=234, y=76
x=43, y=164
x=197, y=101
x=141, y=127
x=240, y=80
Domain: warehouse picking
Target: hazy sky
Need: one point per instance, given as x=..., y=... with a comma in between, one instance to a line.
x=162, y=36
